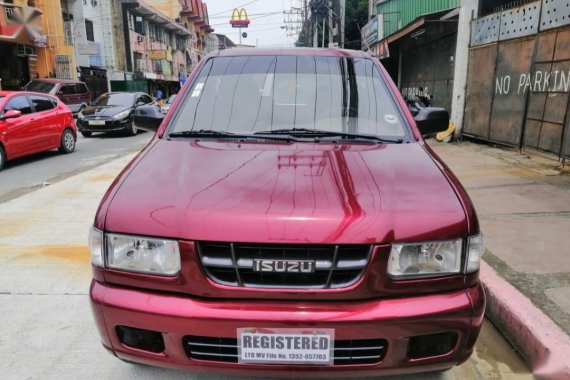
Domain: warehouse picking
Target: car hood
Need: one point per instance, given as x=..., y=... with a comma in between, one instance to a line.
x=286, y=193
x=107, y=111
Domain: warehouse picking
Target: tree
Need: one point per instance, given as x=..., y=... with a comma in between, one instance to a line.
x=356, y=18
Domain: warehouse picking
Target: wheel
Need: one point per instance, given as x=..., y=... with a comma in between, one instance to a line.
x=86, y=134
x=67, y=142
x=132, y=129
x=2, y=157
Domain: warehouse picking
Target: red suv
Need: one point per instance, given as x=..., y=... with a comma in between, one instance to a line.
x=74, y=94
x=289, y=219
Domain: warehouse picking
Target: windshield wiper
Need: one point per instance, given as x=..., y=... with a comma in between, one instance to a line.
x=318, y=133
x=214, y=134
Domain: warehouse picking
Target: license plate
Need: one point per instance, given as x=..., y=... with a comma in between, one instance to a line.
x=285, y=346
x=96, y=122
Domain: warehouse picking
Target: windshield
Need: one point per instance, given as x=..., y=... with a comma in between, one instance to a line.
x=115, y=99
x=171, y=99
x=262, y=93
x=38, y=86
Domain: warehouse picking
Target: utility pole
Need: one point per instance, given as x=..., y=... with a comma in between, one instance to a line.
x=315, y=34
x=342, y=18
x=330, y=22
x=323, y=31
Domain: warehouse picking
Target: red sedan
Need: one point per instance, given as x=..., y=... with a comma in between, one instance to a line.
x=32, y=123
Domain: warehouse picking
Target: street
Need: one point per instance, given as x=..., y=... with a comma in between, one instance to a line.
x=26, y=173
x=48, y=331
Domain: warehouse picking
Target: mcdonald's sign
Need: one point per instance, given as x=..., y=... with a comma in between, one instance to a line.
x=239, y=18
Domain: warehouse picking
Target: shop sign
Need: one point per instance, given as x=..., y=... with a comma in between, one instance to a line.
x=373, y=31
x=239, y=18
x=382, y=50
x=158, y=54
x=88, y=49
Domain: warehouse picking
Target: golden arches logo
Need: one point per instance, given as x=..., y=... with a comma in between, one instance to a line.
x=239, y=18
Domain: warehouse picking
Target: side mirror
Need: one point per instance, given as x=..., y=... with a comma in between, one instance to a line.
x=11, y=114
x=148, y=117
x=432, y=120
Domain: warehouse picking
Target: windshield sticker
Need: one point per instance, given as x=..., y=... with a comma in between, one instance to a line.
x=197, y=90
x=390, y=118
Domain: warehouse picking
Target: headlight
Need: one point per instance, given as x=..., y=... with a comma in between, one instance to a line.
x=143, y=255
x=434, y=259
x=426, y=259
x=122, y=115
x=134, y=253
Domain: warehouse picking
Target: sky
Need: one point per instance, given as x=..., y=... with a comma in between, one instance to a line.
x=266, y=18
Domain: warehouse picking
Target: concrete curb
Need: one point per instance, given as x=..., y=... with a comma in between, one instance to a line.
x=544, y=344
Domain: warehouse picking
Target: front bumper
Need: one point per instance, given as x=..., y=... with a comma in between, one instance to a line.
x=109, y=126
x=395, y=320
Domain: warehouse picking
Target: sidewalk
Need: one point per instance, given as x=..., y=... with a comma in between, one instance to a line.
x=523, y=204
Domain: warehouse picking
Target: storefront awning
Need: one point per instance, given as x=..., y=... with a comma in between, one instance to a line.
x=421, y=21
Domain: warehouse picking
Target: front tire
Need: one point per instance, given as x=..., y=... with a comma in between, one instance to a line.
x=67, y=142
x=132, y=129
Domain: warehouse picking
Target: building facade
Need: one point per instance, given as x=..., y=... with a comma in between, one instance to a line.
x=419, y=40
x=150, y=48
x=34, y=43
x=502, y=68
x=92, y=30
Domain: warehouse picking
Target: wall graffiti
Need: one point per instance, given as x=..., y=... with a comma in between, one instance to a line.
x=539, y=81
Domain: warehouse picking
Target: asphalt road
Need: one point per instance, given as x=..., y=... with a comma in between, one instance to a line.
x=28, y=173
x=46, y=327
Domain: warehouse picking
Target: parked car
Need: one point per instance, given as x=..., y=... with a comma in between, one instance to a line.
x=112, y=112
x=31, y=123
x=74, y=94
x=166, y=106
x=288, y=219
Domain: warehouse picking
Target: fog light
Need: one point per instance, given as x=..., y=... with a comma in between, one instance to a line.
x=147, y=340
x=431, y=345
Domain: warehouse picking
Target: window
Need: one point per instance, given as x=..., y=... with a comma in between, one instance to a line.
x=146, y=99
x=139, y=25
x=273, y=92
x=157, y=66
x=41, y=103
x=68, y=89
x=89, y=30
x=39, y=86
x=81, y=88
x=68, y=33
x=152, y=31
x=19, y=103
x=181, y=43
